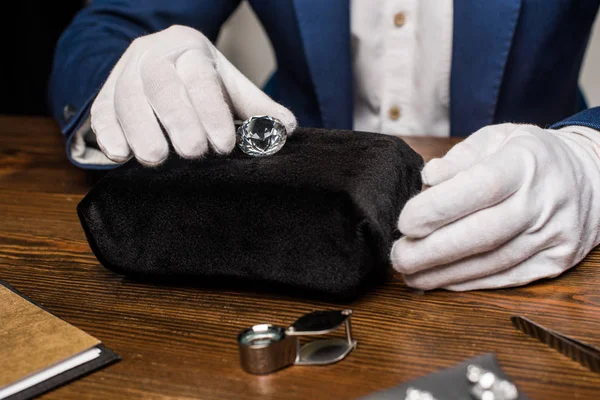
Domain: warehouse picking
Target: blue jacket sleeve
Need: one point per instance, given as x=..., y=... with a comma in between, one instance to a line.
x=589, y=118
x=100, y=34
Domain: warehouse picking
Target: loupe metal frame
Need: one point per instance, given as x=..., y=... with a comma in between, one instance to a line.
x=266, y=348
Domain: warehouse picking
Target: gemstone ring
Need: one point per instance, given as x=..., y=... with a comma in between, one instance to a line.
x=261, y=136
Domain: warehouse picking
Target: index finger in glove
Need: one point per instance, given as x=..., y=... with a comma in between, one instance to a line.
x=466, y=154
x=481, y=186
x=481, y=232
x=246, y=99
x=206, y=94
x=166, y=92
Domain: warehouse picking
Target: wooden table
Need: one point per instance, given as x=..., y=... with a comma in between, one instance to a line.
x=180, y=342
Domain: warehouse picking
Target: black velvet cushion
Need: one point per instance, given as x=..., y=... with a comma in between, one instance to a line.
x=318, y=217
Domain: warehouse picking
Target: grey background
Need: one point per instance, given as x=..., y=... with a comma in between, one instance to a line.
x=245, y=43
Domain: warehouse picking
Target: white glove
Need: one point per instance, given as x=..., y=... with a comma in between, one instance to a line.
x=509, y=205
x=178, y=77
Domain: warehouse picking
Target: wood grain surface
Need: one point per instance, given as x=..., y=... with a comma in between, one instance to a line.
x=179, y=342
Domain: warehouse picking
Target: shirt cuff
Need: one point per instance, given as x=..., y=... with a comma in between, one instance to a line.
x=83, y=150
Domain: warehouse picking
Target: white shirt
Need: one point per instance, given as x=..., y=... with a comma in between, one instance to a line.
x=402, y=53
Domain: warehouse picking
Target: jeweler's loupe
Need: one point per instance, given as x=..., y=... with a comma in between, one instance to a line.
x=267, y=348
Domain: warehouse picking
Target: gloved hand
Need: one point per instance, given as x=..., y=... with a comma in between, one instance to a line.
x=509, y=205
x=179, y=78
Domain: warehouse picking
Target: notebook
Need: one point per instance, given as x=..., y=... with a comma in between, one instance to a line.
x=39, y=351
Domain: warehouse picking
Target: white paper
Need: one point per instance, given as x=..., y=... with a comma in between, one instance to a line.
x=50, y=372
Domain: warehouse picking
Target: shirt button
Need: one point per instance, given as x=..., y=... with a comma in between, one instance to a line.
x=399, y=19
x=394, y=113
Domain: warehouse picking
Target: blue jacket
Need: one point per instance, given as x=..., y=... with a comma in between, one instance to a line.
x=512, y=60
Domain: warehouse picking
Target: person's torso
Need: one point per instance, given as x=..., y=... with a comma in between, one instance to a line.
x=401, y=57
x=512, y=60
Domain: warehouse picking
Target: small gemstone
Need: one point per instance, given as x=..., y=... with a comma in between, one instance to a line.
x=473, y=373
x=489, y=395
x=487, y=380
x=416, y=394
x=261, y=136
x=413, y=394
x=509, y=390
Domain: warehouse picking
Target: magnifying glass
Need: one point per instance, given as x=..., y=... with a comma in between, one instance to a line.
x=266, y=348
